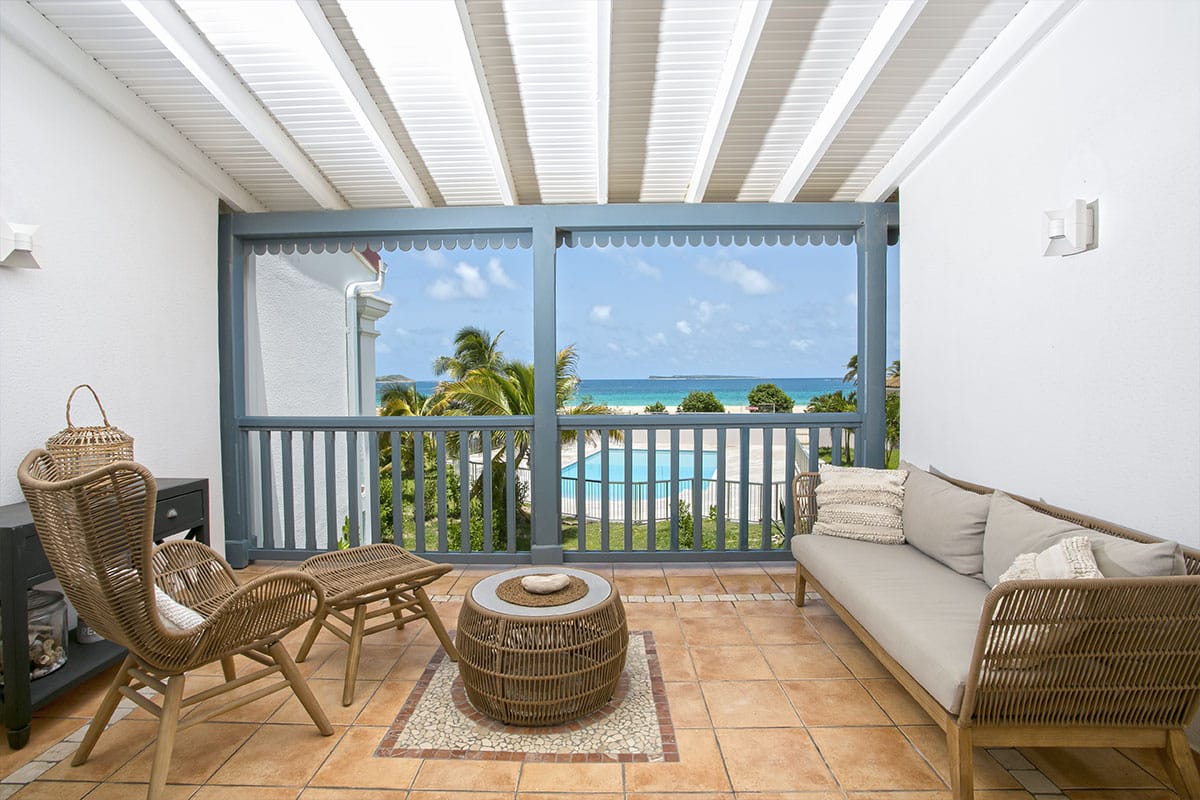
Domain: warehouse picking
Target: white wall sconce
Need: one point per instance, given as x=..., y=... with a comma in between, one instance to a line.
x=16, y=245
x=1070, y=230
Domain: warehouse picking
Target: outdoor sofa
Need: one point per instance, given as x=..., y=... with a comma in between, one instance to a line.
x=1099, y=662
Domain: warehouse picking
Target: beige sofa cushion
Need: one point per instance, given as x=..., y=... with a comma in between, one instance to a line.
x=944, y=521
x=923, y=614
x=1014, y=528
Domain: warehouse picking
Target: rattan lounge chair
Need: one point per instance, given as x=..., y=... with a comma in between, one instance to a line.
x=96, y=530
x=359, y=577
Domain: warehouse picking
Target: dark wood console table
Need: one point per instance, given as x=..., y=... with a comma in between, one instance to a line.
x=182, y=509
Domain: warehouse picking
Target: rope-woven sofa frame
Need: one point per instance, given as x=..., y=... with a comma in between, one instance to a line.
x=1110, y=662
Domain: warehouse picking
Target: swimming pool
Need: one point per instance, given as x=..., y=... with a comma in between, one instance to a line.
x=639, y=474
x=638, y=463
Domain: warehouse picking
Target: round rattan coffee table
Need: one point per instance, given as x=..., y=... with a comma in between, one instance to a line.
x=541, y=665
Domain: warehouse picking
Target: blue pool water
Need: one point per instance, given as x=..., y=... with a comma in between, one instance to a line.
x=638, y=465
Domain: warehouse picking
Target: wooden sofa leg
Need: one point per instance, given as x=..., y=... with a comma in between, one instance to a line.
x=1181, y=766
x=962, y=771
x=800, y=585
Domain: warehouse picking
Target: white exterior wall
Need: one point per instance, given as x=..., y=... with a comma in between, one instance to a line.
x=1073, y=379
x=126, y=298
x=296, y=366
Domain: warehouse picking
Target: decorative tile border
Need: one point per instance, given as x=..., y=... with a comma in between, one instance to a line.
x=604, y=736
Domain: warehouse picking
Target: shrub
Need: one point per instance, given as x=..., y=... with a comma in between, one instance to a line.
x=656, y=408
x=701, y=401
x=769, y=397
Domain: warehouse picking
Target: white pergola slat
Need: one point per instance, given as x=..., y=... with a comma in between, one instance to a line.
x=885, y=36
x=166, y=22
x=305, y=104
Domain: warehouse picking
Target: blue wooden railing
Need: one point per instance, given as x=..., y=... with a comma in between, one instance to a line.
x=720, y=487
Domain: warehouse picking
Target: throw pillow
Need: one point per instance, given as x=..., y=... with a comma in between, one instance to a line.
x=1014, y=528
x=1071, y=558
x=944, y=521
x=175, y=616
x=860, y=503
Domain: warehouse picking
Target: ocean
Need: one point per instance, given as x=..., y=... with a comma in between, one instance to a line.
x=644, y=392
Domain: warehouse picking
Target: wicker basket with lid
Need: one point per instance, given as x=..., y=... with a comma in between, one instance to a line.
x=80, y=449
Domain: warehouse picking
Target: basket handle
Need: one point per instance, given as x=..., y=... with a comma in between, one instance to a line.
x=98, y=404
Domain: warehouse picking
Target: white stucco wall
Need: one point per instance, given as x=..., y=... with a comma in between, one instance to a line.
x=296, y=365
x=126, y=298
x=1074, y=379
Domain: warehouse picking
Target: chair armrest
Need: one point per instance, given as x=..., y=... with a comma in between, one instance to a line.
x=192, y=573
x=1104, y=651
x=263, y=608
x=804, y=498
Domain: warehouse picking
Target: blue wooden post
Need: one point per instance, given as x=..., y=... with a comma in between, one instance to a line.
x=546, y=544
x=231, y=322
x=871, y=242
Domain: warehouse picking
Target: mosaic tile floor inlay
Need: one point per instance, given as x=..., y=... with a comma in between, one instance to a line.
x=437, y=721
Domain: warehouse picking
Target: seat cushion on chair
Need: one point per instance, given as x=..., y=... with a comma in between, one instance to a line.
x=924, y=615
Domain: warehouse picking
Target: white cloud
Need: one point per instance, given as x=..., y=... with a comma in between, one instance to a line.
x=803, y=345
x=402, y=332
x=443, y=289
x=600, y=314
x=684, y=327
x=467, y=282
x=613, y=346
x=705, y=310
x=659, y=338
x=741, y=327
x=730, y=270
x=760, y=344
x=644, y=268
x=434, y=258
x=851, y=299
x=382, y=346
x=498, y=276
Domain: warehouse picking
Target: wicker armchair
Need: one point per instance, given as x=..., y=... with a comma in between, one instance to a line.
x=96, y=530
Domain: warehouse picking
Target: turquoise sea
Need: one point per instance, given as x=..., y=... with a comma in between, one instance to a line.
x=643, y=392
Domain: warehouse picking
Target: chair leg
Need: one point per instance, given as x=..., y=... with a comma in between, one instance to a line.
x=168, y=724
x=397, y=611
x=355, y=652
x=800, y=586
x=435, y=622
x=962, y=770
x=311, y=636
x=300, y=687
x=104, y=713
x=1181, y=766
x=228, y=668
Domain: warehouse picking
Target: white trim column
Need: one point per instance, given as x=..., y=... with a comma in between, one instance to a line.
x=371, y=308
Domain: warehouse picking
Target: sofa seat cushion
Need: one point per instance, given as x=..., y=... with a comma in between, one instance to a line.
x=923, y=614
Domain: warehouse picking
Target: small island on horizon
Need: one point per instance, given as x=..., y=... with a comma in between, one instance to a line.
x=702, y=378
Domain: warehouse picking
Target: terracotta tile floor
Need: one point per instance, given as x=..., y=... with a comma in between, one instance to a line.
x=769, y=702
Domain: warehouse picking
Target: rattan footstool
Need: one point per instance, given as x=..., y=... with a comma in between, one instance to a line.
x=539, y=666
x=353, y=579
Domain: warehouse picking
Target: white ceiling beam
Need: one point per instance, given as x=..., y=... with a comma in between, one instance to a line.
x=882, y=40
x=480, y=97
x=752, y=17
x=603, y=92
x=29, y=30
x=1028, y=27
x=175, y=31
x=349, y=84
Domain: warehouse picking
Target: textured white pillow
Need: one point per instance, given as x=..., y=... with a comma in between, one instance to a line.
x=861, y=503
x=1070, y=558
x=175, y=616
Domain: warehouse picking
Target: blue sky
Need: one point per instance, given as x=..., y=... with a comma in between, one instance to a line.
x=765, y=311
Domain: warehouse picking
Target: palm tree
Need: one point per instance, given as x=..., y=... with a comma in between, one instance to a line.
x=474, y=348
x=835, y=403
x=508, y=391
x=893, y=371
x=851, y=375
x=399, y=400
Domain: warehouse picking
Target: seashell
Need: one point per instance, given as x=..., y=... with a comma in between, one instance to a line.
x=545, y=584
